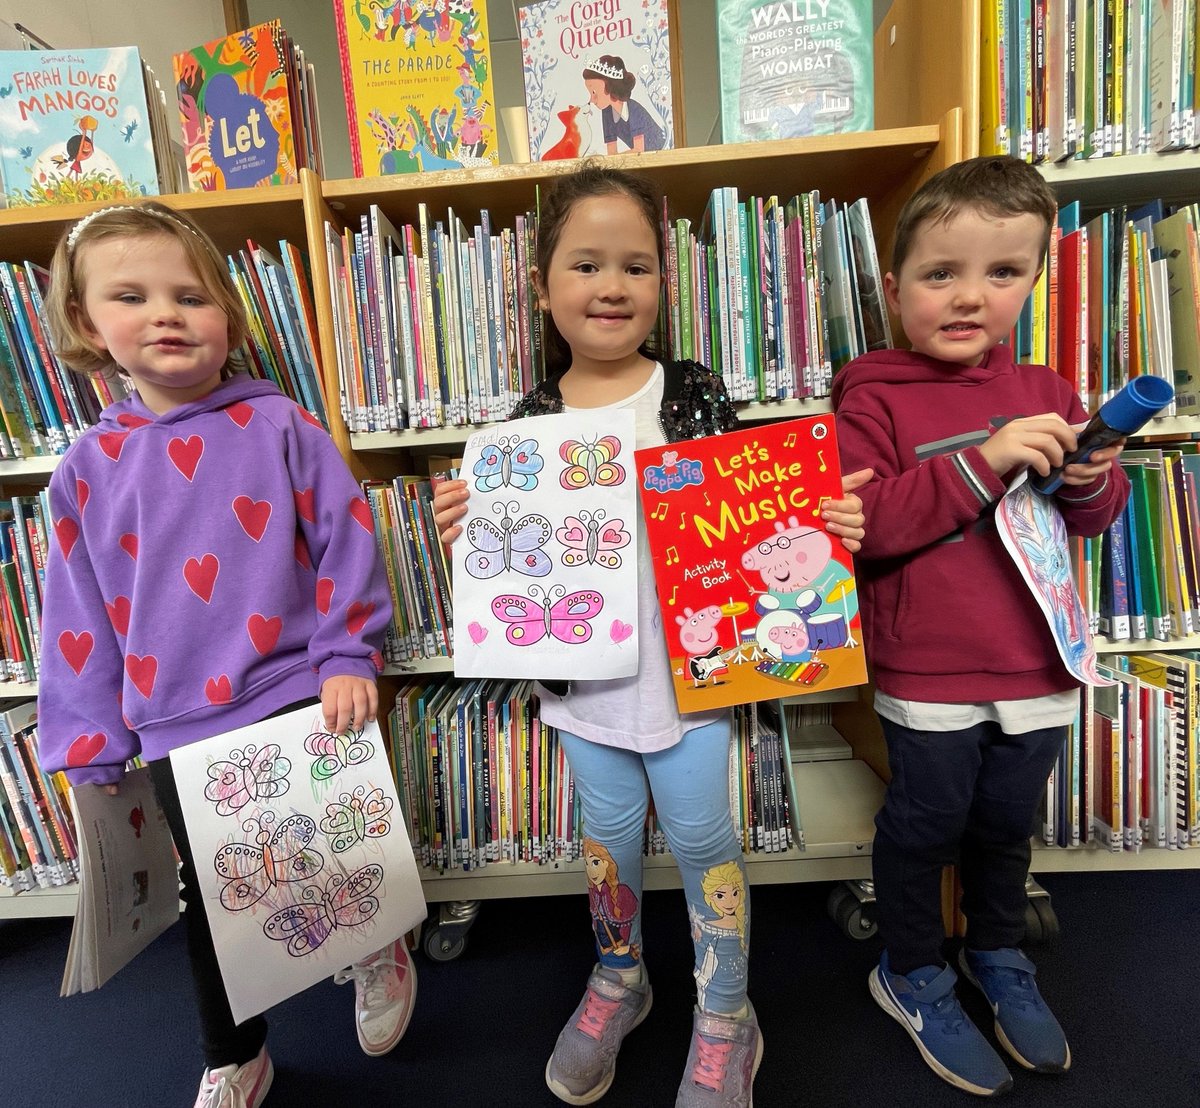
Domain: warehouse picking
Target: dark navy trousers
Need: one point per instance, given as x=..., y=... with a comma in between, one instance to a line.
x=968, y=797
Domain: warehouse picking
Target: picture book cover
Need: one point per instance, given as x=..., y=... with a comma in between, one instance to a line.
x=791, y=68
x=598, y=77
x=74, y=126
x=236, y=110
x=418, y=84
x=758, y=600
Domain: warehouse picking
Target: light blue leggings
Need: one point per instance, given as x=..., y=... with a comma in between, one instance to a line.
x=690, y=786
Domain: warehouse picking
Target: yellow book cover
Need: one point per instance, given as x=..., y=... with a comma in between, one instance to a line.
x=993, y=98
x=418, y=84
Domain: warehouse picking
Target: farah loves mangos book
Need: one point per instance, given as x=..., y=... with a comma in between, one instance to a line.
x=758, y=599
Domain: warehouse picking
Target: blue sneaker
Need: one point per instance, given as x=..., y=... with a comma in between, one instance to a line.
x=924, y=1004
x=1025, y=1026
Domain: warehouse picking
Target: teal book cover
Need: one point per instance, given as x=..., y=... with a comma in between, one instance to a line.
x=74, y=126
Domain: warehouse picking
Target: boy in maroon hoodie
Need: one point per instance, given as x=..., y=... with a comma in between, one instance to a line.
x=971, y=693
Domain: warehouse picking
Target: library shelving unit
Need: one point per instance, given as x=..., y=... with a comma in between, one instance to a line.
x=926, y=89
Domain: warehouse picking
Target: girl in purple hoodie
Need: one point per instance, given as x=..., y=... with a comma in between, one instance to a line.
x=213, y=563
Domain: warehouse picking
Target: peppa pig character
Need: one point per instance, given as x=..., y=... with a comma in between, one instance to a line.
x=796, y=563
x=698, y=637
x=792, y=640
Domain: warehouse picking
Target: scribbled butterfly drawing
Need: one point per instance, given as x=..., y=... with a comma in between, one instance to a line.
x=250, y=774
x=335, y=752
x=509, y=463
x=511, y=546
x=591, y=463
x=543, y=612
x=591, y=541
x=355, y=817
x=343, y=902
x=252, y=869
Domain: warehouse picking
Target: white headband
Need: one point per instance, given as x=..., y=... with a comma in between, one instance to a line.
x=78, y=229
x=605, y=69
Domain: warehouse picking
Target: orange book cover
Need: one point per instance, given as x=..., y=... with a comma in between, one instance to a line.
x=758, y=600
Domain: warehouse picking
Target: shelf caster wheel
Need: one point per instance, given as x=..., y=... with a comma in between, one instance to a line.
x=444, y=944
x=1041, y=923
x=853, y=916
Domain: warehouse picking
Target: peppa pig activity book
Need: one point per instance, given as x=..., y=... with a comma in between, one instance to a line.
x=758, y=600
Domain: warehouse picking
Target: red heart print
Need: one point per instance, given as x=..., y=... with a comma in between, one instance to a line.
x=129, y=543
x=67, y=531
x=325, y=587
x=264, y=632
x=240, y=413
x=76, y=649
x=82, y=492
x=306, y=506
x=118, y=614
x=301, y=552
x=133, y=422
x=85, y=749
x=356, y=615
x=185, y=454
x=201, y=575
x=308, y=417
x=377, y=660
x=361, y=511
x=219, y=690
x=611, y=535
x=142, y=672
x=252, y=515
x=573, y=535
x=112, y=443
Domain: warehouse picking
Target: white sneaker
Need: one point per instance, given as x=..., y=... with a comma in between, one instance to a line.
x=237, y=1086
x=385, y=991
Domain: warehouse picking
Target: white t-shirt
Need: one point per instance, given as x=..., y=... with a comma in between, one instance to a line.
x=1015, y=717
x=639, y=712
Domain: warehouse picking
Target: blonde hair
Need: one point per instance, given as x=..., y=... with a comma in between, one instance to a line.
x=64, y=300
x=727, y=873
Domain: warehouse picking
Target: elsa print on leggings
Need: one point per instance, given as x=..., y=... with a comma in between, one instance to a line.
x=724, y=938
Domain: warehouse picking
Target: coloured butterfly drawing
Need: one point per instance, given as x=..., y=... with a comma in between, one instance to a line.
x=590, y=541
x=559, y=613
x=344, y=902
x=336, y=752
x=495, y=548
x=508, y=463
x=355, y=817
x=591, y=463
x=250, y=774
x=252, y=869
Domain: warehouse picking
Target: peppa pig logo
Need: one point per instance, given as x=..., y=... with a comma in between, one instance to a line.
x=673, y=474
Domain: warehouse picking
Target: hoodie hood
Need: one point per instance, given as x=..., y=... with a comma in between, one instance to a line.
x=131, y=412
x=896, y=367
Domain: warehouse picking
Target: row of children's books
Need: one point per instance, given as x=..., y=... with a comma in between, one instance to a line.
x=24, y=537
x=1119, y=297
x=762, y=789
x=1129, y=775
x=1088, y=78
x=44, y=407
x=37, y=834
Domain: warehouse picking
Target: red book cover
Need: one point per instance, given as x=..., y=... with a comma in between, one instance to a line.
x=758, y=599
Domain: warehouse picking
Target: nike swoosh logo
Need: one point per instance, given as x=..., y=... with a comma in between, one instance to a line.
x=917, y=1021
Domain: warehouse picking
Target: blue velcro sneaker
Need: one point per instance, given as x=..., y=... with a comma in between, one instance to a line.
x=924, y=1004
x=1025, y=1026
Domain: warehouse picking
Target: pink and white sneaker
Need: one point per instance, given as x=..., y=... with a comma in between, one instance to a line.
x=237, y=1086
x=385, y=990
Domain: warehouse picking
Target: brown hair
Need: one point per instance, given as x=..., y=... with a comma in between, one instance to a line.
x=591, y=179
x=999, y=186
x=619, y=88
x=64, y=300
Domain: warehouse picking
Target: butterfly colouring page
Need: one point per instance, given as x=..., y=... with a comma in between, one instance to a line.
x=301, y=849
x=545, y=570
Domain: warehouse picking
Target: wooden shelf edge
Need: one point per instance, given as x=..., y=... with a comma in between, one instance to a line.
x=39, y=903
x=1138, y=646
x=1099, y=859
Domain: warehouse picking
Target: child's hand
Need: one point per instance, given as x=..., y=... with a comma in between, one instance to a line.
x=1036, y=441
x=347, y=699
x=111, y=790
x=449, y=506
x=1101, y=461
x=845, y=518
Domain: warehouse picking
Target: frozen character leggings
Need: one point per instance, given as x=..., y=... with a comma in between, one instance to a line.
x=690, y=786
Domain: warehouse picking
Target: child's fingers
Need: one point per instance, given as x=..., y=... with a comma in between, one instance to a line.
x=856, y=480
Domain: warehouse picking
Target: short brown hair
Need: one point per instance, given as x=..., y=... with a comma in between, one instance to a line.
x=64, y=300
x=999, y=186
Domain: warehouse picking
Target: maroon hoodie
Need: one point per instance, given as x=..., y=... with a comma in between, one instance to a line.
x=946, y=614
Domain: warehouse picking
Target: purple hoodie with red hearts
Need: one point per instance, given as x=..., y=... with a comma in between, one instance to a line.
x=207, y=568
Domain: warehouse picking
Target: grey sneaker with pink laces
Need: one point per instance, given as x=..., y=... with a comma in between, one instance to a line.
x=585, y=1057
x=722, y=1062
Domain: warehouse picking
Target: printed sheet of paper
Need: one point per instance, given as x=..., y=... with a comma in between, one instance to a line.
x=1034, y=534
x=301, y=850
x=545, y=571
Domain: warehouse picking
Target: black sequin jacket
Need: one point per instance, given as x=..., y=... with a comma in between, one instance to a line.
x=694, y=404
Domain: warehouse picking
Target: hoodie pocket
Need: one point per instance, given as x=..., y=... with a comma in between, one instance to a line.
x=900, y=611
